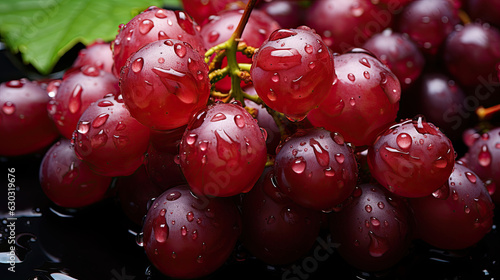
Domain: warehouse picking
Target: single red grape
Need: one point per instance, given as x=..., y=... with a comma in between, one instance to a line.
x=458, y=214
x=97, y=54
x=187, y=236
x=68, y=181
x=164, y=83
x=109, y=139
x=25, y=126
x=363, y=101
x=223, y=151
x=412, y=158
x=292, y=71
x=373, y=228
x=316, y=169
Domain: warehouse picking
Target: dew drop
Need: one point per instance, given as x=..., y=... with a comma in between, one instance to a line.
x=199, y=259
x=320, y=153
x=271, y=95
x=120, y=126
x=404, y=141
x=173, y=195
x=139, y=239
x=91, y=71
x=160, y=13
x=194, y=234
x=218, y=117
x=160, y=227
x=75, y=100
x=162, y=35
x=375, y=222
x=70, y=175
x=378, y=246
x=381, y=205
x=281, y=34
x=352, y=102
x=239, y=121
x=339, y=158
x=309, y=49
x=368, y=208
x=161, y=60
x=366, y=74
x=466, y=209
x=472, y=178
x=180, y=50
x=99, y=140
x=137, y=64
x=311, y=65
x=174, y=255
x=275, y=78
x=365, y=62
x=442, y=193
x=484, y=157
x=271, y=220
x=191, y=138
x=83, y=127
x=120, y=141
x=351, y=77
x=204, y=146
x=184, y=231
x=105, y=103
x=213, y=36
x=190, y=216
x=299, y=165
x=100, y=120
x=440, y=162
x=329, y=172
x=15, y=83
x=337, y=138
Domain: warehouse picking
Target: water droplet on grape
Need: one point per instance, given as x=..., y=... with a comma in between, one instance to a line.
x=100, y=120
x=99, y=140
x=271, y=220
x=70, y=175
x=173, y=195
x=75, y=100
x=120, y=141
x=484, y=157
x=190, y=216
x=91, y=71
x=199, y=259
x=289, y=215
x=368, y=208
x=381, y=205
x=180, y=50
x=239, y=121
x=218, y=117
x=160, y=13
x=351, y=77
x=365, y=62
x=309, y=49
x=191, y=138
x=168, y=43
x=83, y=127
x=105, y=103
x=137, y=64
x=213, y=36
x=440, y=162
x=174, y=255
x=352, y=101
x=120, y=126
x=162, y=35
x=275, y=78
x=339, y=158
x=271, y=95
x=281, y=34
x=378, y=246
x=184, y=231
x=320, y=153
x=15, y=83
x=375, y=222
x=366, y=74
x=160, y=227
x=404, y=141
x=139, y=239
x=299, y=165
x=329, y=172
x=472, y=178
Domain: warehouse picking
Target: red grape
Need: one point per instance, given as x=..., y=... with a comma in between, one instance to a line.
x=275, y=229
x=109, y=140
x=223, y=151
x=292, y=71
x=458, y=214
x=164, y=83
x=25, y=126
x=69, y=182
x=363, y=101
x=316, y=169
x=412, y=158
x=152, y=25
x=97, y=54
x=373, y=228
x=189, y=237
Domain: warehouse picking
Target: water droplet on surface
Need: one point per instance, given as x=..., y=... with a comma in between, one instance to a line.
x=100, y=120
x=137, y=65
x=184, y=231
x=365, y=62
x=472, y=178
x=275, y=78
x=352, y=101
x=160, y=13
x=105, y=103
x=329, y=172
x=191, y=138
x=339, y=158
x=180, y=50
x=194, y=234
x=404, y=141
x=120, y=141
x=442, y=193
x=91, y=71
x=239, y=121
x=15, y=83
x=309, y=49
x=190, y=216
x=440, y=162
x=378, y=246
x=337, y=138
x=83, y=127
x=271, y=95
x=351, y=77
x=75, y=100
x=281, y=34
x=199, y=259
x=139, y=239
x=218, y=117
x=278, y=59
x=375, y=222
x=271, y=220
x=299, y=165
x=204, y=146
x=213, y=36
x=322, y=155
x=120, y=126
x=173, y=195
x=484, y=157
x=368, y=208
x=160, y=227
x=70, y=175
x=99, y=140
x=289, y=215
x=381, y=205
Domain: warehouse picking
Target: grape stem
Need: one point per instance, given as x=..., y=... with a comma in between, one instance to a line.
x=486, y=113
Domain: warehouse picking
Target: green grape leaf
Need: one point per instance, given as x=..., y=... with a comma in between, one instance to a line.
x=44, y=30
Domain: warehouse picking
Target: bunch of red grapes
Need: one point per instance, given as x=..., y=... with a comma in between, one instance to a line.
x=351, y=120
